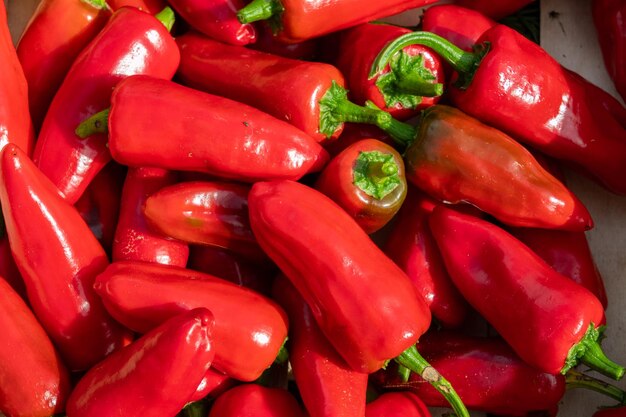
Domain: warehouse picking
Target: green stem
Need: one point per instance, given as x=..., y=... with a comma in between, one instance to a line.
x=260, y=10
x=283, y=353
x=196, y=409
x=576, y=379
x=411, y=359
x=589, y=352
x=98, y=123
x=404, y=372
x=167, y=17
x=98, y=4
x=463, y=62
x=412, y=83
x=376, y=174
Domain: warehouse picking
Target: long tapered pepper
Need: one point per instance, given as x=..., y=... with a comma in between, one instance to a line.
x=337, y=269
x=367, y=180
x=205, y=133
x=327, y=385
x=55, y=35
x=451, y=22
x=132, y=42
x=393, y=404
x=415, y=83
x=494, y=9
x=550, y=321
x=134, y=240
x=15, y=123
x=514, y=85
x=299, y=20
x=155, y=376
x=609, y=17
x=249, y=328
x=33, y=379
x=266, y=402
x=59, y=259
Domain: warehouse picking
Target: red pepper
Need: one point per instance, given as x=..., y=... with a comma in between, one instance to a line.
x=367, y=180
x=327, y=385
x=308, y=50
x=611, y=412
x=514, y=85
x=132, y=42
x=134, y=240
x=412, y=247
x=35, y=382
x=249, y=328
x=550, y=321
x=609, y=17
x=207, y=213
x=58, y=258
x=212, y=385
x=495, y=9
x=299, y=20
x=150, y=6
x=216, y=19
x=204, y=133
x=415, y=83
x=266, y=402
x=451, y=22
x=56, y=33
x=354, y=132
x=15, y=124
x=155, y=376
x=8, y=269
x=337, y=269
x=394, y=404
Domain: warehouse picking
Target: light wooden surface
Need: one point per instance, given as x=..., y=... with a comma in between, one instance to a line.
x=568, y=35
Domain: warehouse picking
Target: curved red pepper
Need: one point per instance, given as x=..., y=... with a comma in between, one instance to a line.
x=494, y=9
x=134, y=240
x=609, y=17
x=394, y=404
x=299, y=20
x=56, y=33
x=550, y=321
x=451, y=22
x=132, y=42
x=216, y=19
x=155, y=376
x=412, y=247
x=206, y=213
x=266, y=402
x=367, y=180
x=15, y=123
x=204, y=133
x=415, y=83
x=249, y=328
x=150, y=6
x=58, y=258
x=327, y=385
x=33, y=379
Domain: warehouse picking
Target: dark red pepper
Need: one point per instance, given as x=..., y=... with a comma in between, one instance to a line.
x=134, y=240
x=550, y=321
x=495, y=9
x=394, y=404
x=56, y=33
x=155, y=376
x=249, y=328
x=204, y=133
x=609, y=17
x=415, y=83
x=327, y=385
x=35, y=382
x=451, y=22
x=132, y=42
x=266, y=402
x=59, y=259
x=367, y=180
x=8, y=269
x=611, y=412
x=150, y=6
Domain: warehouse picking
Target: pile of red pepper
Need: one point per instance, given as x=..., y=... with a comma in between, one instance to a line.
x=287, y=208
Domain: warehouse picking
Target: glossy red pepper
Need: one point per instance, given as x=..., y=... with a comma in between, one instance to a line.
x=134, y=240
x=394, y=404
x=58, y=258
x=415, y=83
x=132, y=42
x=337, y=269
x=204, y=133
x=327, y=385
x=451, y=22
x=412, y=247
x=212, y=385
x=514, y=85
x=56, y=33
x=150, y=6
x=550, y=321
x=354, y=132
x=299, y=20
x=308, y=50
x=611, y=412
x=266, y=402
x=495, y=9
x=33, y=379
x=609, y=17
x=15, y=123
x=217, y=19
x=155, y=376
x=207, y=213
x=247, y=340
x=367, y=180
